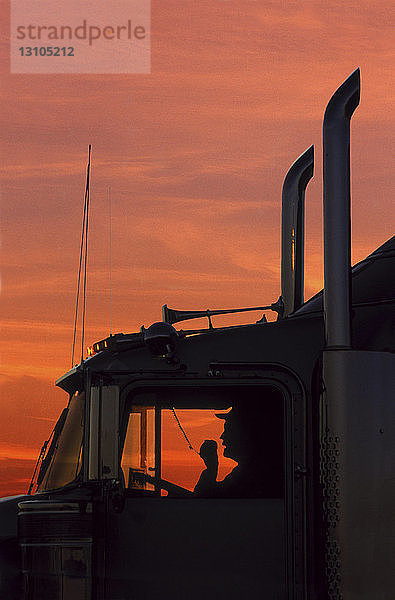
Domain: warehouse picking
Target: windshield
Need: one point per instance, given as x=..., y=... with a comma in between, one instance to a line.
x=64, y=456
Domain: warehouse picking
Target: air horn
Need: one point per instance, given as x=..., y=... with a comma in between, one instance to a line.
x=169, y=315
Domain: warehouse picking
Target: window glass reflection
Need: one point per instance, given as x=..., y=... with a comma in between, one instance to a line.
x=66, y=451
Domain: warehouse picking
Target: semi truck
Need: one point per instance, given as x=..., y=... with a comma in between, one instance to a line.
x=303, y=406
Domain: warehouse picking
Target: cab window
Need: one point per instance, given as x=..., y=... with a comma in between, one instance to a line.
x=205, y=444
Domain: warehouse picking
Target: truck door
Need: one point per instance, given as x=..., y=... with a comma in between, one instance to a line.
x=210, y=506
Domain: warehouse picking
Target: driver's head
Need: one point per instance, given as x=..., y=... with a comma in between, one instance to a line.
x=252, y=429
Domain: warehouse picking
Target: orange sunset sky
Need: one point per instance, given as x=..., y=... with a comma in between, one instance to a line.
x=195, y=154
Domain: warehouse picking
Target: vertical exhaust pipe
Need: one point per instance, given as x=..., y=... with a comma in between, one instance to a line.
x=337, y=225
x=356, y=432
x=292, y=231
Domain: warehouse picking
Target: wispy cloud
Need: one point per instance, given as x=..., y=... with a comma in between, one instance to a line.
x=16, y=451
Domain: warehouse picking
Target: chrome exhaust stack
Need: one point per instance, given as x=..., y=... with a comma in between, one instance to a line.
x=337, y=222
x=357, y=425
x=292, y=231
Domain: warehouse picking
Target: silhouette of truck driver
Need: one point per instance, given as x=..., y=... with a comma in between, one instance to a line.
x=253, y=437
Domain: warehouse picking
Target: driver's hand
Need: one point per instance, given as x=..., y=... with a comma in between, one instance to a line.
x=209, y=454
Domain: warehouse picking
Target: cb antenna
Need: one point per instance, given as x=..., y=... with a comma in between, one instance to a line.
x=110, y=254
x=83, y=262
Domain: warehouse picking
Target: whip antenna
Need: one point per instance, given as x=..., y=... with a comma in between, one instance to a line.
x=83, y=259
x=87, y=199
x=110, y=252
